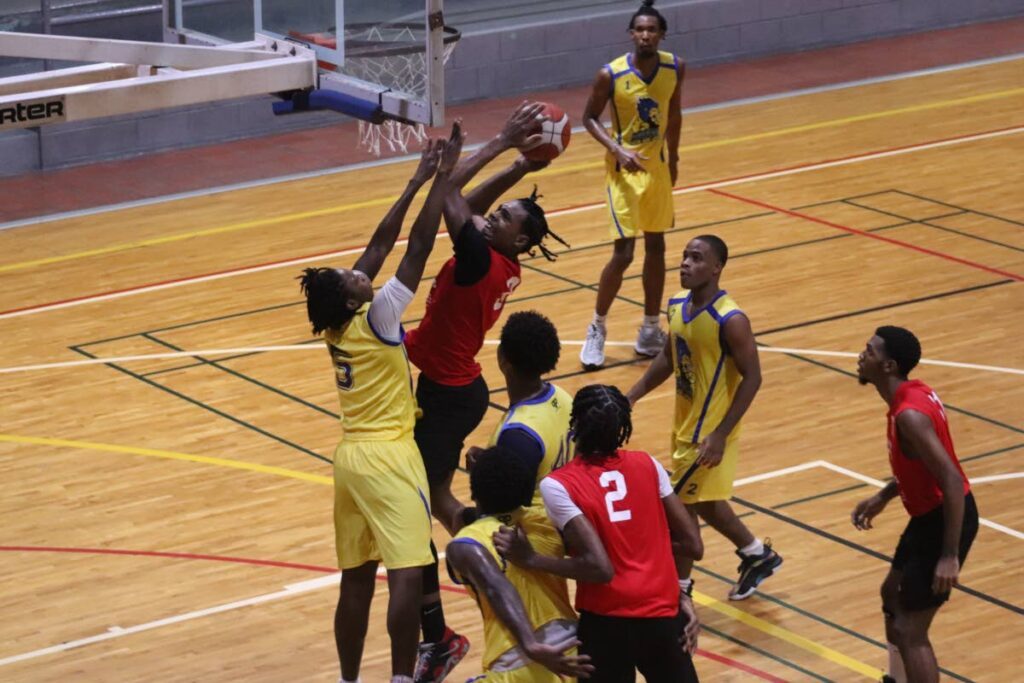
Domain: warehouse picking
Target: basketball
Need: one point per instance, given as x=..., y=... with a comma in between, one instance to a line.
x=556, y=131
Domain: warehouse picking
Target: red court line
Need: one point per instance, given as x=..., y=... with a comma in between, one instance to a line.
x=314, y=568
x=554, y=212
x=874, y=236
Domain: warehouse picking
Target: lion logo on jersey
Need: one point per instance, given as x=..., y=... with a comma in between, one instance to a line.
x=649, y=114
x=684, y=368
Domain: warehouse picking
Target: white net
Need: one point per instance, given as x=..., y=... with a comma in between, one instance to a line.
x=395, y=57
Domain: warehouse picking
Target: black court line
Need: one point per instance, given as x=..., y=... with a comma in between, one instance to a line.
x=883, y=307
x=765, y=653
x=821, y=620
x=868, y=551
x=204, y=406
x=961, y=208
x=222, y=359
x=247, y=378
x=826, y=494
x=928, y=222
x=998, y=451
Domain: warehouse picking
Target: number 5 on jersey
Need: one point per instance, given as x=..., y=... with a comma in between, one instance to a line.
x=613, y=480
x=342, y=369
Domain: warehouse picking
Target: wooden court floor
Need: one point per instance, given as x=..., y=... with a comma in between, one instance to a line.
x=169, y=518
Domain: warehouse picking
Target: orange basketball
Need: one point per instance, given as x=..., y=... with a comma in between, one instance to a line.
x=554, y=126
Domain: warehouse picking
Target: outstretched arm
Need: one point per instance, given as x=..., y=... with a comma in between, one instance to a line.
x=515, y=133
x=657, y=372
x=917, y=433
x=477, y=566
x=739, y=338
x=384, y=237
x=424, y=230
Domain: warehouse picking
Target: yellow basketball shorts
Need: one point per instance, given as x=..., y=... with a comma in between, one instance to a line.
x=531, y=673
x=706, y=483
x=381, y=508
x=639, y=202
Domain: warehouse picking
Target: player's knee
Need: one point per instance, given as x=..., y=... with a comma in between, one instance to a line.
x=654, y=243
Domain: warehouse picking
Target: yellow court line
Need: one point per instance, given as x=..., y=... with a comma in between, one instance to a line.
x=169, y=455
x=788, y=636
x=558, y=170
x=700, y=598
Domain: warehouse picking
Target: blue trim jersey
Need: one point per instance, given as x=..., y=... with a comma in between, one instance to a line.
x=705, y=372
x=640, y=106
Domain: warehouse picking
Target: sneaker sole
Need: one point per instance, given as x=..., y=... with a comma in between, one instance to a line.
x=590, y=367
x=647, y=354
x=753, y=589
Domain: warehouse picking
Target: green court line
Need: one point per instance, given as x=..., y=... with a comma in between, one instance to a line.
x=763, y=653
x=205, y=406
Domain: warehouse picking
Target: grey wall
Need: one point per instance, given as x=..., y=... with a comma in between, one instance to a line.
x=493, y=63
x=559, y=47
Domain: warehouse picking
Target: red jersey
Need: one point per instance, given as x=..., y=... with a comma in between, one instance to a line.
x=445, y=344
x=620, y=497
x=919, y=490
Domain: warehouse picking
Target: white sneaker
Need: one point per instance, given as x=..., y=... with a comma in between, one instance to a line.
x=650, y=341
x=592, y=353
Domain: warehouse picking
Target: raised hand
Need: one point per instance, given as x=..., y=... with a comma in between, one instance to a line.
x=429, y=159
x=519, y=128
x=451, y=148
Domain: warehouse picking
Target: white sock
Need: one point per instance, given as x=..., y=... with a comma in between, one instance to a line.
x=402, y=679
x=651, y=320
x=755, y=548
x=599, y=320
x=896, y=664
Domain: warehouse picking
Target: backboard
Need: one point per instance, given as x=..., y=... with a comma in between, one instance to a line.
x=389, y=52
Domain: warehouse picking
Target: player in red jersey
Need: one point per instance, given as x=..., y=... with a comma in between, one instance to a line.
x=465, y=301
x=936, y=494
x=616, y=508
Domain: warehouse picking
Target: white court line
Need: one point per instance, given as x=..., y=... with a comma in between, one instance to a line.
x=490, y=342
x=997, y=477
x=800, y=92
x=879, y=484
x=559, y=212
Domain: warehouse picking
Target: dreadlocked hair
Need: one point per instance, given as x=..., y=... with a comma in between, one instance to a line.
x=647, y=10
x=601, y=420
x=326, y=299
x=536, y=226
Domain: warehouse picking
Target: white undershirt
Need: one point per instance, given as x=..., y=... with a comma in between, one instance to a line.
x=385, y=314
x=561, y=509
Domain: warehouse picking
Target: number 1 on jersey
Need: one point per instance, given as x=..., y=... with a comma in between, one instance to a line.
x=613, y=479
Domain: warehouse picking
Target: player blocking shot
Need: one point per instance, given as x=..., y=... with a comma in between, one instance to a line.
x=465, y=301
x=380, y=486
x=927, y=476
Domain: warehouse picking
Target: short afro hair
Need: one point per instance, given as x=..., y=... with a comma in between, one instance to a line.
x=500, y=482
x=717, y=245
x=529, y=341
x=901, y=346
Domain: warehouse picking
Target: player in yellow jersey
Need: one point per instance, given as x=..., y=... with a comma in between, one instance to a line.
x=536, y=427
x=711, y=351
x=644, y=89
x=529, y=624
x=381, y=512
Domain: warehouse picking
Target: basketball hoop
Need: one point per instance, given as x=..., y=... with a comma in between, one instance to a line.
x=394, y=56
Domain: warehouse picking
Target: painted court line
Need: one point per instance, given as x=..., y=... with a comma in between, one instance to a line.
x=140, y=289
x=878, y=483
x=490, y=342
x=330, y=580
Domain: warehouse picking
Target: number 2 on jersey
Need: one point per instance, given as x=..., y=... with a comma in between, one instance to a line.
x=613, y=479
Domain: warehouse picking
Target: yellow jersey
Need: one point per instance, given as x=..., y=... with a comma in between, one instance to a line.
x=374, y=382
x=545, y=417
x=640, y=107
x=545, y=596
x=705, y=372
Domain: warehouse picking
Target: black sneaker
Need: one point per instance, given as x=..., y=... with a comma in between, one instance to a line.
x=754, y=570
x=434, y=661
